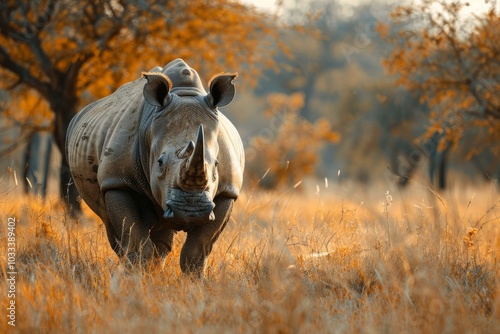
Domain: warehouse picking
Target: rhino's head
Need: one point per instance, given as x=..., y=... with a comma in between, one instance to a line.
x=183, y=140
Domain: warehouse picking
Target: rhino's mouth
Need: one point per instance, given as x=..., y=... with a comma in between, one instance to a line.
x=189, y=207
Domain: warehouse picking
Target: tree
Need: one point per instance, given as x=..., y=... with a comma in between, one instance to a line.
x=340, y=75
x=287, y=150
x=64, y=54
x=452, y=63
x=312, y=49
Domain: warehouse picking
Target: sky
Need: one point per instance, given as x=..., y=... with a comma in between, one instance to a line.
x=474, y=5
x=262, y=4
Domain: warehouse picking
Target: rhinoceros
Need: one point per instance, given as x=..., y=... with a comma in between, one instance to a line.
x=156, y=157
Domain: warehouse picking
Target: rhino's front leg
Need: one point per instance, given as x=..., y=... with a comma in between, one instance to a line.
x=201, y=238
x=162, y=238
x=131, y=227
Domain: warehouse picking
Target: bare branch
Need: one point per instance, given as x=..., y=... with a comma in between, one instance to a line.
x=46, y=64
x=14, y=85
x=24, y=74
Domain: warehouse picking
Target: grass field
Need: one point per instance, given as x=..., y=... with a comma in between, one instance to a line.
x=333, y=261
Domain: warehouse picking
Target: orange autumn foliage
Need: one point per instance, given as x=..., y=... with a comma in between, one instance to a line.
x=289, y=149
x=84, y=50
x=451, y=61
x=70, y=53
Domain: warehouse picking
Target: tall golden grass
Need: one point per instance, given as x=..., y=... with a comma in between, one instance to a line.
x=333, y=261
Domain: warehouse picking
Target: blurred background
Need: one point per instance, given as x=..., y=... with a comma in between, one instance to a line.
x=366, y=93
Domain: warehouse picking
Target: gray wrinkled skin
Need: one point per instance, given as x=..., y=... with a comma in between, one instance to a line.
x=156, y=157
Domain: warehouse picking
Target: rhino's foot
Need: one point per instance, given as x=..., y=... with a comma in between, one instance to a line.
x=162, y=239
x=140, y=255
x=193, y=260
x=129, y=222
x=162, y=249
x=201, y=238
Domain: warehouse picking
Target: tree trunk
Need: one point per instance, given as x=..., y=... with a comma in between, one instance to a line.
x=36, y=163
x=438, y=162
x=64, y=107
x=442, y=169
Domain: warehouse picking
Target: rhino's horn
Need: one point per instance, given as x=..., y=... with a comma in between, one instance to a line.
x=186, y=151
x=197, y=160
x=194, y=173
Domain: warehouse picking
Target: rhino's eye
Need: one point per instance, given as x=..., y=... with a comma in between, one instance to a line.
x=161, y=162
x=214, y=176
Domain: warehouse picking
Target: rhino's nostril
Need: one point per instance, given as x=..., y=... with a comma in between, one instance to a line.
x=168, y=213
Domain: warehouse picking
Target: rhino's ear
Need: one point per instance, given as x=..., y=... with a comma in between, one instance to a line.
x=156, y=90
x=221, y=89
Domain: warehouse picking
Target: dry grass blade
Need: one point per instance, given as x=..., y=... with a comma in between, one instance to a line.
x=285, y=263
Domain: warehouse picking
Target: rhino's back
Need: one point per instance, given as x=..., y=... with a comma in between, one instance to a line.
x=231, y=159
x=102, y=144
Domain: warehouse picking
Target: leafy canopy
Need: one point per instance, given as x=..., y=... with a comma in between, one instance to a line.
x=288, y=150
x=83, y=50
x=451, y=61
